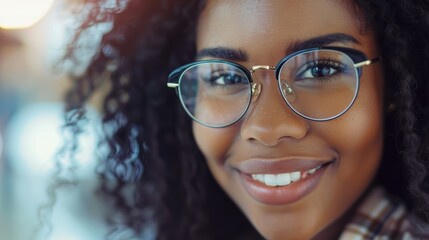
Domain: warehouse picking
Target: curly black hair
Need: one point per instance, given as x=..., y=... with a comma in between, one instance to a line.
x=154, y=175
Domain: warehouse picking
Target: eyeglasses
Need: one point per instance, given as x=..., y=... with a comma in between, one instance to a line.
x=318, y=84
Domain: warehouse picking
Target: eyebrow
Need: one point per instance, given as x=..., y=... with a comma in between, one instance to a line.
x=321, y=41
x=239, y=55
x=224, y=53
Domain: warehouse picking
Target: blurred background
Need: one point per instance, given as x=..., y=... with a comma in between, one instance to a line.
x=33, y=37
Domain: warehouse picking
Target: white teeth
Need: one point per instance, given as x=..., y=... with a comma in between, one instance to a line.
x=311, y=171
x=295, y=176
x=271, y=180
x=276, y=179
x=283, y=179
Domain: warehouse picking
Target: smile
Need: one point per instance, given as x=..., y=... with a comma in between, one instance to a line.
x=283, y=179
x=280, y=182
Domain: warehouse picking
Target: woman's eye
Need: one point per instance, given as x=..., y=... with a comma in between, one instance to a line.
x=222, y=83
x=226, y=78
x=320, y=70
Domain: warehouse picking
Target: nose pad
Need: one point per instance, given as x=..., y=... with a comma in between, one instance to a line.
x=288, y=92
x=256, y=90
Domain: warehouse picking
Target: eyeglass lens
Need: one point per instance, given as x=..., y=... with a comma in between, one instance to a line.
x=215, y=94
x=318, y=85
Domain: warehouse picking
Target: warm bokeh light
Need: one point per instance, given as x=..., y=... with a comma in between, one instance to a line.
x=15, y=14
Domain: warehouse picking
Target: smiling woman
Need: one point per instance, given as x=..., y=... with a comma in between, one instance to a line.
x=291, y=119
x=271, y=142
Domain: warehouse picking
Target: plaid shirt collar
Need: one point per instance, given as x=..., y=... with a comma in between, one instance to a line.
x=380, y=217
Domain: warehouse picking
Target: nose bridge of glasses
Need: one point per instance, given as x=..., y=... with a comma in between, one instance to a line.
x=266, y=67
x=256, y=86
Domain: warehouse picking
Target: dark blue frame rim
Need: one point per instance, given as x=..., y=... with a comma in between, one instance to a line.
x=355, y=55
x=175, y=75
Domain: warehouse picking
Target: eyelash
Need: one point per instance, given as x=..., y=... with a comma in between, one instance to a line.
x=328, y=62
x=338, y=67
x=215, y=75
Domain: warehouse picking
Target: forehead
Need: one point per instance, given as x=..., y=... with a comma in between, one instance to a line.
x=270, y=23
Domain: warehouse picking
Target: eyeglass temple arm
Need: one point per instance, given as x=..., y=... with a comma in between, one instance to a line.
x=367, y=62
x=172, y=85
x=172, y=80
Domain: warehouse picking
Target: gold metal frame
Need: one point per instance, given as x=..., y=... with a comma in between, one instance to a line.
x=366, y=63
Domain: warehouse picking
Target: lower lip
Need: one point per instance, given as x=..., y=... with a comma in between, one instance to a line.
x=282, y=195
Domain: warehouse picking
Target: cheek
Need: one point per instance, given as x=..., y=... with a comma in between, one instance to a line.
x=360, y=129
x=360, y=137
x=364, y=122
x=214, y=143
x=357, y=136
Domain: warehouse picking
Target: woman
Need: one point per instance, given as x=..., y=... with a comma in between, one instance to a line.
x=290, y=119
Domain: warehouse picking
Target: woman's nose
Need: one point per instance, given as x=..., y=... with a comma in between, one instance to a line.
x=269, y=120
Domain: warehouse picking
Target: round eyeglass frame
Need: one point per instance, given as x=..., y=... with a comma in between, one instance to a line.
x=357, y=57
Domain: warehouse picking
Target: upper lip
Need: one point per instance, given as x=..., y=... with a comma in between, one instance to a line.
x=278, y=166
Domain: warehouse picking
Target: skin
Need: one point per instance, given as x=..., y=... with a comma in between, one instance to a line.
x=270, y=130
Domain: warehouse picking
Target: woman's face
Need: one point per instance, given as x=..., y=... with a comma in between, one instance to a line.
x=271, y=139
